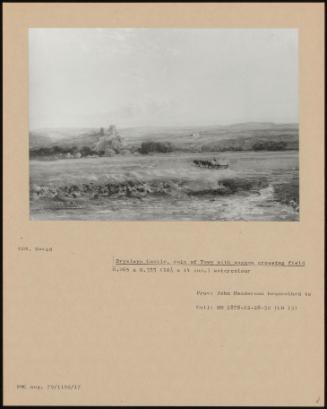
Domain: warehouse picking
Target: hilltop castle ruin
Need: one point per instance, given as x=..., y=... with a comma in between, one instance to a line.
x=110, y=142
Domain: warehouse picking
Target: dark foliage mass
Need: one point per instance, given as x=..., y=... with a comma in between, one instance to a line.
x=150, y=146
x=270, y=146
x=61, y=150
x=86, y=151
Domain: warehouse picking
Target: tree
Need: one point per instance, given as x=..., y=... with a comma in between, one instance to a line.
x=150, y=146
x=86, y=151
x=270, y=146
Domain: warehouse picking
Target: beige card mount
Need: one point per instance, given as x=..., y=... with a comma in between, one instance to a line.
x=163, y=204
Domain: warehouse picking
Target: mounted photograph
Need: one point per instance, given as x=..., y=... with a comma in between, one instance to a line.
x=163, y=124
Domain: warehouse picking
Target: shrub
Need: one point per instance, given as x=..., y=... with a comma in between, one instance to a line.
x=86, y=151
x=150, y=146
x=269, y=146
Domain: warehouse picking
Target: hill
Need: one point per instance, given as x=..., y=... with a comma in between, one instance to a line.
x=243, y=136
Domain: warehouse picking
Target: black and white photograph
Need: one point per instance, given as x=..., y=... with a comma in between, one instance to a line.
x=163, y=124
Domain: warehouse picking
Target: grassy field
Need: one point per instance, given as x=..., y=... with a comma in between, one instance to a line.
x=256, y=186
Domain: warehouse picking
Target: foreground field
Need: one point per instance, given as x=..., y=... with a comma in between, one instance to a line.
x=256, y=186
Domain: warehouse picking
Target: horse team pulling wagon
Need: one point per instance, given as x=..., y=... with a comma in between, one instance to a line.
x=213, y=163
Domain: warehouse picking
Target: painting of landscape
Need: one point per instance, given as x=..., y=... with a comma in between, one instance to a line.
x=138, y=164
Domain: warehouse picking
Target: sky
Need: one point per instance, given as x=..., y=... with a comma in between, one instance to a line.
x=161, y=77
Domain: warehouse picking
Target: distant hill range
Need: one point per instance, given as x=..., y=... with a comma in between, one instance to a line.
x=243, y=136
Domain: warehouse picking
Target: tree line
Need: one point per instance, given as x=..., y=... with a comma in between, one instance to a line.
x=62, y=150
x=150, y=147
